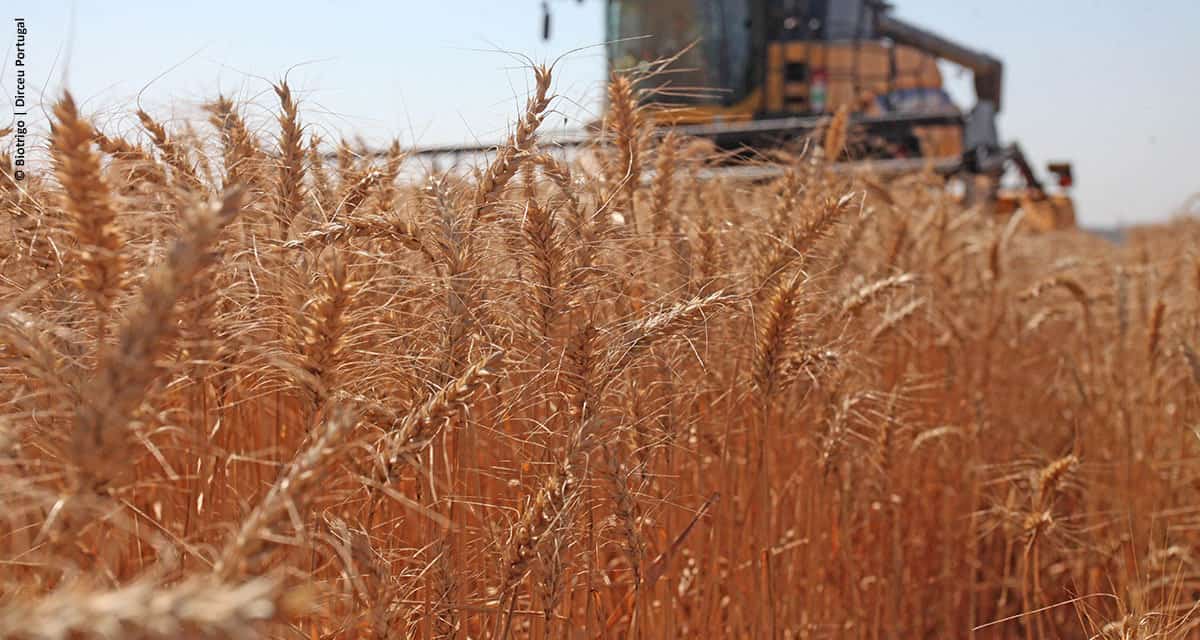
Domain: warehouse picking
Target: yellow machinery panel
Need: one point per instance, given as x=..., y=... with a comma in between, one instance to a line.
x=846, y=73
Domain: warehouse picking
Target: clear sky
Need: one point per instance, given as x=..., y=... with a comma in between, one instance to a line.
x=1113, y=85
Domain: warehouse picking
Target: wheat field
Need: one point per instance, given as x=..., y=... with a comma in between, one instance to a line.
x=260, y=384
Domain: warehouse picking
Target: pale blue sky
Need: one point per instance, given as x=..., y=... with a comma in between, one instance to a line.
x=1113, y=85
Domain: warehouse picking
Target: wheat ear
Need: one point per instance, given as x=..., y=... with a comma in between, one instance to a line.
x=516, y=149
x=241, y=154
x=240, y=554
x=289, y=179
x=89, y=203
x=127, y=369
x=773, y=342
x=835, y=135
x=175, y=155
x=625, y=125
x=417, y=428
x=150, y=610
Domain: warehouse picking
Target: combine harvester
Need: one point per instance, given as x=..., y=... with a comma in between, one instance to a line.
x=762, y=74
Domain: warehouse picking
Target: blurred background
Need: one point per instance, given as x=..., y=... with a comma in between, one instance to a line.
x=1108, y=85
